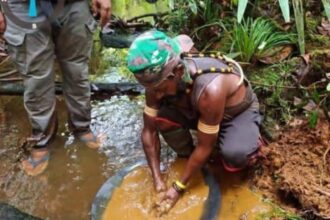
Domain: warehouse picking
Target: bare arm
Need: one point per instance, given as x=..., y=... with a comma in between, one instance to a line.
x=210, y=114
x=199, y=156
x=151, y=144
x=211, y=107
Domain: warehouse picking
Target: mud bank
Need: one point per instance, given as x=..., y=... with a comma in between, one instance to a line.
x=296, y=170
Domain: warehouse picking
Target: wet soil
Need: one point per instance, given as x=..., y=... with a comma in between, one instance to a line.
x=296, y=169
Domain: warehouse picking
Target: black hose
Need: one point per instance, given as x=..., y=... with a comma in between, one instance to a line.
x=17, y=88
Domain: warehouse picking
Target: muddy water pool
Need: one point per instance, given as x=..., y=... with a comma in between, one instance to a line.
x=75, y=173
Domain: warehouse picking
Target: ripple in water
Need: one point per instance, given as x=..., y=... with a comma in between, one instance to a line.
x=120, y=119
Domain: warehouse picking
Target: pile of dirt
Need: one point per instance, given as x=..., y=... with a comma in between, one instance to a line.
x=297, y=168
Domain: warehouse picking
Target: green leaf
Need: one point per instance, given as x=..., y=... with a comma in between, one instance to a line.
x=233, y=55
x=256, y=38
x=285, y=8
x=326, y=4
x=234, y=2
x=171, y=4
x=328, y=87
x=315, y=95
x=298, y=10
x=193, y=6
x=313, y=119
x=241, y=9
x=202, y=4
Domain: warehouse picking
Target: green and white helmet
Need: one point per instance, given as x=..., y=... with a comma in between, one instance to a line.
x=153, y=55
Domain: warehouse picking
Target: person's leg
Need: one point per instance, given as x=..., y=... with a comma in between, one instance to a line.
x=238, y=139
x=32, y=52
x=73, y=49
x=173, y=127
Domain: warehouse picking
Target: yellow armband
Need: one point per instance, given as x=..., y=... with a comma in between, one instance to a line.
x=208, y=129
x=150, y=111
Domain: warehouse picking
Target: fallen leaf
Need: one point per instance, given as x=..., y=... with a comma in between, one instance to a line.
x=324, y=28
x=310, y=106
x=276, y=55
x=297, y=101
x=306, y=58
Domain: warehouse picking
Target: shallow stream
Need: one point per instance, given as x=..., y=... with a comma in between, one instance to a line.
x=75, y=173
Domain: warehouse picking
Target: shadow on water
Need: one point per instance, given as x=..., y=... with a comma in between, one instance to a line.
x=9, y=212
x=75, y=173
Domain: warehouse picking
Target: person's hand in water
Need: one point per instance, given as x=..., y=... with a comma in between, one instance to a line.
x=167, y=201
x=159, y=185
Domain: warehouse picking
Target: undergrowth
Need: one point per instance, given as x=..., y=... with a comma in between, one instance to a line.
x=254, y=38
x=277, y=212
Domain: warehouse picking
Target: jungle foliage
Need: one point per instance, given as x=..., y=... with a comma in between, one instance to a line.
x=283, y=46
x=255, y=38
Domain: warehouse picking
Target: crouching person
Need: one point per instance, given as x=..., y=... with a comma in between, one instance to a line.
x=205, y=92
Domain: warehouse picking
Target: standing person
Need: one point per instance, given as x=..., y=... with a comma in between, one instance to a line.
x=204, y=92
x=69, y=37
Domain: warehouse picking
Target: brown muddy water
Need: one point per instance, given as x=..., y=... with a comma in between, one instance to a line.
x=67, y=188
x=137, y=201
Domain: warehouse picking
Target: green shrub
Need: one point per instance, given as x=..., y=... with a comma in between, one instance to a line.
x=253, y=39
